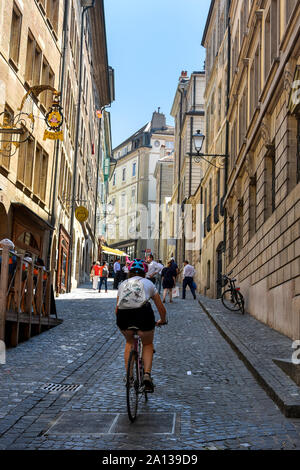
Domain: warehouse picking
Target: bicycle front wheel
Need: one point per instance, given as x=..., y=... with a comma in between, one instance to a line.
x=132, y=386
x=233, y=300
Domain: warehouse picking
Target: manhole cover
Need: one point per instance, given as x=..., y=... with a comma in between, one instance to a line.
x=76, y=422
x=146, y=423
x=61, y=387
x=92, y=423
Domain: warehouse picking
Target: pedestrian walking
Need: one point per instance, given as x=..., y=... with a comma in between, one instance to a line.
x=117, y=273
x=174, y=267
x=188, y=279
x=168, y=281
x=153, y=269
x=103, y=277
x=96, y=274
x=158, y=276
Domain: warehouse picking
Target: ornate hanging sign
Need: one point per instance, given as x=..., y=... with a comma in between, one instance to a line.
x=54, y=120
x=81, y=214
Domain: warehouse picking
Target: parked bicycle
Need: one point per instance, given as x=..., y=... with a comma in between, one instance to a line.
x=232, y=298
x=135, y=390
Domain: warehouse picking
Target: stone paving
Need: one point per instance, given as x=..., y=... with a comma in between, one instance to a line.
x=202, y=387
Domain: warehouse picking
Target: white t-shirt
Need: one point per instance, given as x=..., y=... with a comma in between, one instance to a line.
x=153, y=268
x=149, y=287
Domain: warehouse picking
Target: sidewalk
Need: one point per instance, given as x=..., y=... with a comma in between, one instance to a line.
x=258, y=346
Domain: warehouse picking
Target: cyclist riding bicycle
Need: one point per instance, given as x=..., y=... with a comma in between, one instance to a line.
x=134, y=311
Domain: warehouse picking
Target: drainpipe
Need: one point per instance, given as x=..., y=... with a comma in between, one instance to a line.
x=57, y=147
x=84, y=10
x=97, y=183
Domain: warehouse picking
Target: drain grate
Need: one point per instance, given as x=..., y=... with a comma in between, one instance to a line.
x=61, y=387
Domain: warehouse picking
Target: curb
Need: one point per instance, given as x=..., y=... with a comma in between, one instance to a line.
x=278, y=392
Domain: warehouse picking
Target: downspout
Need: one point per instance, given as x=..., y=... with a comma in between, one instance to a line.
x=57, y=147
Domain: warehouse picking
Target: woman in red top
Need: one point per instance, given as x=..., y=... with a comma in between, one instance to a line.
x=96, y=274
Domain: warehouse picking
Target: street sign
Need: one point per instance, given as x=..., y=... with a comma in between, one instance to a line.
x=81, y=214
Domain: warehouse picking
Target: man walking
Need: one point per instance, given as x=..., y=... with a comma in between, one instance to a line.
x=153, y=269
x=117, y=273
x=188, y=279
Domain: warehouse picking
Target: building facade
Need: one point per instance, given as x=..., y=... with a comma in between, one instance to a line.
x=132, y=188
x=30, y=51
x=263, y=194
x=45, y=181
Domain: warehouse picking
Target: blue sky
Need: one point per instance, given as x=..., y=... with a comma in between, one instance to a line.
x=149, y=43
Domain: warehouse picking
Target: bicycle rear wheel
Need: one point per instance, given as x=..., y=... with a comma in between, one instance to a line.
x=132, y=386
x=233, y=300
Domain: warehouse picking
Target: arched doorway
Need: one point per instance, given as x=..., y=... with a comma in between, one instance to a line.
x=3, y=223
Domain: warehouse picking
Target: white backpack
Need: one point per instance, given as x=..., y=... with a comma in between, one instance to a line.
x=131, y=294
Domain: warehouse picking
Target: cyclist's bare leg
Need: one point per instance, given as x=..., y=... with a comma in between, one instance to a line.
x=129, y=343
x=147, y=340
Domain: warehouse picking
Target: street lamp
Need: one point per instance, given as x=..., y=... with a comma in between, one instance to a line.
x=198, y=140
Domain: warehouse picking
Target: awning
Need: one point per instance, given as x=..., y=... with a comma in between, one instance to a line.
x=27, y=212
x=112, y=251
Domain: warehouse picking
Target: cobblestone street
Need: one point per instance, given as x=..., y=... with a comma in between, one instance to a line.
x=205, y=397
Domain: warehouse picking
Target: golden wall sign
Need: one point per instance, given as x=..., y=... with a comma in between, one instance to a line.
x=54, y=120
x=81, y=214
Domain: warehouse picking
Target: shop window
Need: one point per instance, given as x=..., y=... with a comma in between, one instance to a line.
x=240, y=224
x=15, y=35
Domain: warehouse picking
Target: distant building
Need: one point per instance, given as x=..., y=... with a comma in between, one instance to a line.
x=133, y=185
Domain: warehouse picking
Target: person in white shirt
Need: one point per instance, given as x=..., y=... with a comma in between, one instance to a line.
x=153, y=269
x=158, y=276
x=188, y=279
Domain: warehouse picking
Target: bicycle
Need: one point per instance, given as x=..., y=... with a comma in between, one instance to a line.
x=135, y=390
x=232, y=299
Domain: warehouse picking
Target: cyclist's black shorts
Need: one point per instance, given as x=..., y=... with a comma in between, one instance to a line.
x=143, y=318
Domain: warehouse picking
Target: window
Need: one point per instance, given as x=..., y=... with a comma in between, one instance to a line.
x=252, y=207
x=40, y=173
x=15, y=35
x=52, y=13
x=33, y=62
x=208, y=275
x=269, y=184
x=47, y=79
x=114, y=179
x=230, y=238
x=123, y=201
x=25, y=162
x=134, y=169
x=240, y=224
x=133, y=196
x=124, y=174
